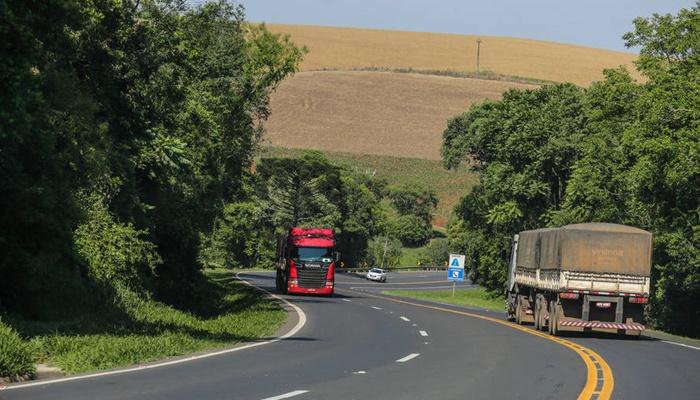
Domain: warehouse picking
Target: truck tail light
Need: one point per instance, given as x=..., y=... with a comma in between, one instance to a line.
x=639, y=300
x=572, y=296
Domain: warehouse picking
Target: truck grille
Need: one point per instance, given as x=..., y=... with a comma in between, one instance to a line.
x=312, y=278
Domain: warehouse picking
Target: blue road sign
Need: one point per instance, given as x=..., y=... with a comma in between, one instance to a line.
x=455, y=274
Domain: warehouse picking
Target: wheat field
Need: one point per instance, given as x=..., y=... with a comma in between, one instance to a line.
x=336, y=103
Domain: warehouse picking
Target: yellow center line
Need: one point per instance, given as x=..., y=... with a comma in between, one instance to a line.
x=590, y=357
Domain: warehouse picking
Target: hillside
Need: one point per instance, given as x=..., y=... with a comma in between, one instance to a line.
x=378, y=113
x=337, y=104
x=351, y=48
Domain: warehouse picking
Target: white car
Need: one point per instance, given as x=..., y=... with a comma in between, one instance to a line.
x=376, y=274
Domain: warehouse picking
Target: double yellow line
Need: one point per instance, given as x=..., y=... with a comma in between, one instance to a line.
x=599, y=379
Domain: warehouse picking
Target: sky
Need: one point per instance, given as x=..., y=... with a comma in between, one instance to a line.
x=592, y=23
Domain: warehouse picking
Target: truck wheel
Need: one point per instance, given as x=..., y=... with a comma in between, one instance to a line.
x=538, y=313
x=510, y=308
x=284, y=285
x=519, y=309
x=553, y=319
x=542, y=306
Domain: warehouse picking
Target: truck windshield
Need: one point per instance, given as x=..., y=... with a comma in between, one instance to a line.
x=305, y=254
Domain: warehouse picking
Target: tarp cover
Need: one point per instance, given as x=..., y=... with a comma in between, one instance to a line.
x=528, y=250
x=591, y=247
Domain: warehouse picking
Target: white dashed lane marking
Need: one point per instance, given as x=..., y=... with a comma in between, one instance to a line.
x=287, y=395
x=408, y=357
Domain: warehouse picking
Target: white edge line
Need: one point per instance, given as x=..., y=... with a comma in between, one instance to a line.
x=287, y=395
x=299, y=325
x=681, y=344
x=408, y=357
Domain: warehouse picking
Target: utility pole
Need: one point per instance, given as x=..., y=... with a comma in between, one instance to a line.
x=386, y=242
x=478, y=51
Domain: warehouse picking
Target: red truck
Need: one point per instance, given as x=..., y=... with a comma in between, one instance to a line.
x=306, y=262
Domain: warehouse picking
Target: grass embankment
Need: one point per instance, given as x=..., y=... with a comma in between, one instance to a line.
x=135, y=330
x=478, y=298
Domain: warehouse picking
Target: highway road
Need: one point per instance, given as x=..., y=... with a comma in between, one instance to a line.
x=362, y=344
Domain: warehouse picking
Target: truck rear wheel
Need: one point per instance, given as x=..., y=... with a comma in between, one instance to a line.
x=553, y=318
x=519, y=309
x=543, y=308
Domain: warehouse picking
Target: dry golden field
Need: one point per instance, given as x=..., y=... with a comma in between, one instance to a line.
x=365, y=112
x=335, y=104
x=351, y=48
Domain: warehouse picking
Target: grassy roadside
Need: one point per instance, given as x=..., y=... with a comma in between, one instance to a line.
x=136, y=330
x=470, y=297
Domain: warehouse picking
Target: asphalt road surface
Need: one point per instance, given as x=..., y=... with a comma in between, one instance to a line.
x=362, y=344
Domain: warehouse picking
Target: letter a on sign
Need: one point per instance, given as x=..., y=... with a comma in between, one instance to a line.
x=456, y=261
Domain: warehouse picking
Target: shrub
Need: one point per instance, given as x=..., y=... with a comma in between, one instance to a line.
x=115, y=253
x=384, y=251
x=411, y=230
x=438, y=252
x=239, y=239
x=15, y=355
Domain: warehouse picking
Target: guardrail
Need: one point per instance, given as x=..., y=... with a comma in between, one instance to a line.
x=394, y=269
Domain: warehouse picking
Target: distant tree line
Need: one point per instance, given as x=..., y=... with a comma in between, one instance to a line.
x=620, y=151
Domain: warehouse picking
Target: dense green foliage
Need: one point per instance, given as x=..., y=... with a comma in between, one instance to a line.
x=127, y=129
x=414, y=204
x=127, y=133
x=620, y=151
x=301, y=191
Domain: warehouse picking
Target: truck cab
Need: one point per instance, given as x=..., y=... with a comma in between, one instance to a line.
x=306, y=262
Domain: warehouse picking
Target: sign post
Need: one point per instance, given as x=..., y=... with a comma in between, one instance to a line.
x=455, y=270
